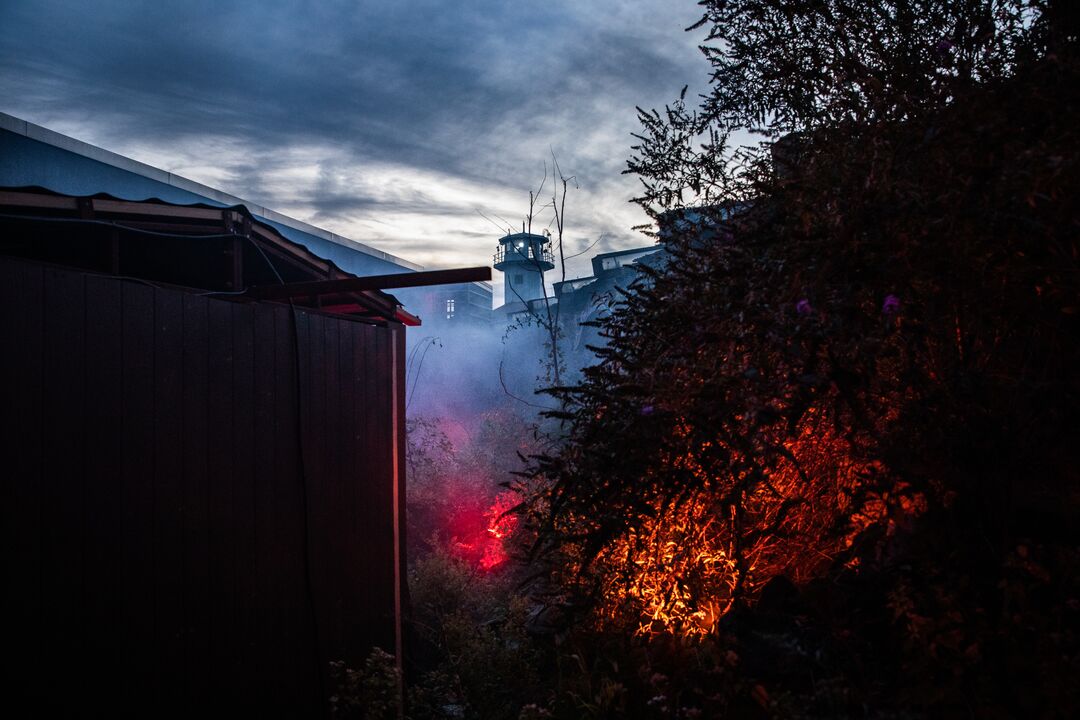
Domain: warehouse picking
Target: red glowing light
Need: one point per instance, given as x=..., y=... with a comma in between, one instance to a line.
x=501, y=524
x=493, y=556
x=481, y=533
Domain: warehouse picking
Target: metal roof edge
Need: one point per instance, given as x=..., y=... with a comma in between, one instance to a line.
x=628, y=251
x=122, y=162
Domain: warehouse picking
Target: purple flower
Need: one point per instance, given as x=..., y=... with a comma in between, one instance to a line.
x=891, y=306
x=803, y=307
x=943, y=46
x=647, y=409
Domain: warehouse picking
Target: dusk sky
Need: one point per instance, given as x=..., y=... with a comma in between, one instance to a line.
x=393, y=123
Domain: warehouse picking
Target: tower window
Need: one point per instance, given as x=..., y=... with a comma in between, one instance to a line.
x=450, y=309
x=519, y=279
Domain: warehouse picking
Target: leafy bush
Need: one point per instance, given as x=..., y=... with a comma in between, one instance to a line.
x=371, y=693
x=475, y=658
x=856, y=371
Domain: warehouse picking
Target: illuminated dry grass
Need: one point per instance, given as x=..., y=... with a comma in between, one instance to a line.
x=682, y=568
x=674, y=574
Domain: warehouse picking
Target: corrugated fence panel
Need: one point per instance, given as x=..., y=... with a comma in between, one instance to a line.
x=170, y=677
x=397, y=367
x=266, y=498
x=63, y=586
x=224, y=638
x=246, y=614
x=334, y=495
x=376, y=510
x=22, y=326
x=140, y=654
x=196, y=501
x=345, y=442
x=199, y=498
x=102, y=461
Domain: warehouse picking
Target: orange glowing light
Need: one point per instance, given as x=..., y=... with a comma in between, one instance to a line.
x=681, y=568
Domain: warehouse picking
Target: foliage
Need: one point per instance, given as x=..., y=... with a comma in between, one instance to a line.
x=470, y=655
x=478, y=659
x=371, y=693
x=859, y=362
x=781, y=67
x=452, y=486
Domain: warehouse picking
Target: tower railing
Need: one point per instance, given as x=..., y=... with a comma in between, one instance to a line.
x=529, y=253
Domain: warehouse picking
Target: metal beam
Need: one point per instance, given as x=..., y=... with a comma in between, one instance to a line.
x=370, y=282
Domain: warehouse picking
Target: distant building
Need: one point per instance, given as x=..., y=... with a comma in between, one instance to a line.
x=701, y=225
x=449, y=306
x=587, y=299
x=523, y=258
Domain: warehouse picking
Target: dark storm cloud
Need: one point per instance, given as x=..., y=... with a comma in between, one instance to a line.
x=333, y=204
x=475, y=90
x=398, y=79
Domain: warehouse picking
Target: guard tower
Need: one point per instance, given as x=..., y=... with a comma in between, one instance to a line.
x=523, y=258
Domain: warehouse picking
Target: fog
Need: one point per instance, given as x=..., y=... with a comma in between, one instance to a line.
x=463, y=371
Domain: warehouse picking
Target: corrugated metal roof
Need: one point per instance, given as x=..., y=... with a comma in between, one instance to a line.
x=78, y=147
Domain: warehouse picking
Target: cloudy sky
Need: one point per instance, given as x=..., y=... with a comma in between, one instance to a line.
x=394, y=123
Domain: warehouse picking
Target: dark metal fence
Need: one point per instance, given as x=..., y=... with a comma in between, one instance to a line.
x=202, y=498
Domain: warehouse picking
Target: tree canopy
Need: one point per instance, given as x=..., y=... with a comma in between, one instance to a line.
x=860, y=355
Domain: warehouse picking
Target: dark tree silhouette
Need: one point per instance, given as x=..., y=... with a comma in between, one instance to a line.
x=860, y=359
